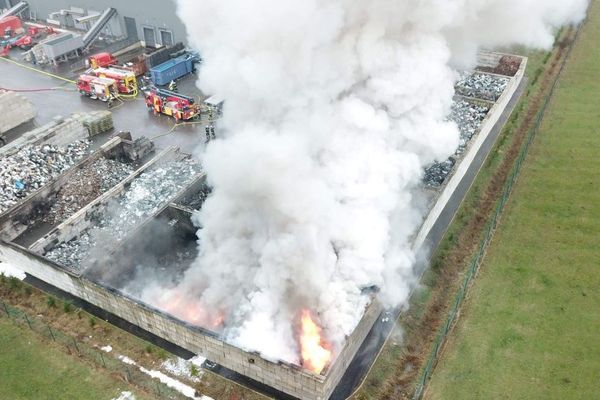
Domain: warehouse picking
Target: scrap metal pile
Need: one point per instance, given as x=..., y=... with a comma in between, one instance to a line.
x=86, y=185
x=146, y=195
x=481, y=86
x=27, y=170
x=468, y=116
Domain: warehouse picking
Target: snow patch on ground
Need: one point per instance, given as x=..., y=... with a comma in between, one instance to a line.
x=180, y=367
x=127, y=360
x=181, y=387
x=106, y=349
x=198, y=361
x=125, y=396
x=9, y=270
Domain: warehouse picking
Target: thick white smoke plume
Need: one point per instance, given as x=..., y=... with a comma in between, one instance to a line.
x=333, y=108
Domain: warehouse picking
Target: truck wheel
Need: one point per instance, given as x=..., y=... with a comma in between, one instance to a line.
x=2, y=142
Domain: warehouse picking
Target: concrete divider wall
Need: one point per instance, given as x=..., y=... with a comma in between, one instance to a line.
x=82, y=220
x=15, y=110
x=61, y=131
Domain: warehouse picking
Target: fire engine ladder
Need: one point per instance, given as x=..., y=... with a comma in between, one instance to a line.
x=97, y=28
x=15, y=10
x=168, y=93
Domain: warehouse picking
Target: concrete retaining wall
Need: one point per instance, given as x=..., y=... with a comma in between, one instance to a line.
x=61, y=131
x=464, y=175
x=15, y=110
x=285, y=377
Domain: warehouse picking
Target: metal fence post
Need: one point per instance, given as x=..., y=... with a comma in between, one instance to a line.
x=51, y=334
x=75, y=344
x=5, y=308
x=28, y=322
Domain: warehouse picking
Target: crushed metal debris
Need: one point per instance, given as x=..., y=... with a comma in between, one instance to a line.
x=86, y=185
x=481, y=86
x=147, y=194
x=27, y=170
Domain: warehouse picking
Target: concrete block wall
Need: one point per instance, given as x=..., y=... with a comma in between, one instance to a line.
x=61, y=131
x=289, y=378
x=15, y=110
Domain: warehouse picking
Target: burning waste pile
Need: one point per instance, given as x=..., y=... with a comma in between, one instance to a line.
x=147, y=194
x=86, y=185
x=481, y=86
x=333, y=109
x=468, y=117
x=32, y=167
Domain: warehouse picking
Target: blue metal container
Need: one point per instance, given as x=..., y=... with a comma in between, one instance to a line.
x=173, y=69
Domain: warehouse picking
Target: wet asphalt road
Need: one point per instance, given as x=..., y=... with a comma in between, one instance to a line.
x=130, y=116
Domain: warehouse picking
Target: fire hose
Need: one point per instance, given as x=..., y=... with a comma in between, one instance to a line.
x=37, y=90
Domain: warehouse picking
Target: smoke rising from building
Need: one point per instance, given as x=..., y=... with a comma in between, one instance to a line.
x=333, y=108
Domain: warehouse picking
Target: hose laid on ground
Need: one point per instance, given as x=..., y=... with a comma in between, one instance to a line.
x=38, y=90
x=175, y=126
x=37, y=70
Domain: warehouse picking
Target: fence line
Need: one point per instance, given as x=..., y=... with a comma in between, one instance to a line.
x=489, y=231
x=132, y=375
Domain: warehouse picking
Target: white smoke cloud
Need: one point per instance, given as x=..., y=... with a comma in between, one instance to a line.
x=333, y=108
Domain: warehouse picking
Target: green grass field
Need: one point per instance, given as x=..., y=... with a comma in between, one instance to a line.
x=530, y=328
x=33, y=369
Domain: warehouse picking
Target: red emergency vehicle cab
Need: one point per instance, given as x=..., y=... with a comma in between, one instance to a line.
x=9, y=26
x=101, y=60
x=126, y=80
x=178, y=106
x=97, y=88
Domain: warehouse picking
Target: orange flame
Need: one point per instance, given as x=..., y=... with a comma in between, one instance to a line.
x=190, y=310
x=315, y=354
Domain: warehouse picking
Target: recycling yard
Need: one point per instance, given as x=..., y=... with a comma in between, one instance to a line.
x=122, y=184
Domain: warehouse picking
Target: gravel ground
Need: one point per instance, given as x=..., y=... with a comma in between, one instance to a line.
x=85, y=186
x=481, y=86
x=33, y=166
x=146, y=195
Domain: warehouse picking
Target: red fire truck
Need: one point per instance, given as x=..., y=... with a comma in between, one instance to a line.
x=104, y=89
x=101, y=60
x=178, y=106
x=126, y=80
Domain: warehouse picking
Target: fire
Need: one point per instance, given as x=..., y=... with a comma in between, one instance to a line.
x=190, y=310
x=315, y=354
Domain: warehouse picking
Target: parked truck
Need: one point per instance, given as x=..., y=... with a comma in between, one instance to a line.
x=103, y=89
x=173, y=69
x=178, y=106
x=126, y=79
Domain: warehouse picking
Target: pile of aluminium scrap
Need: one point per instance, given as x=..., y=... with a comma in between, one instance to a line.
x=86, y=185
x=481, y=86
x=468, y=117
x=30, y=168
x=147, y=194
